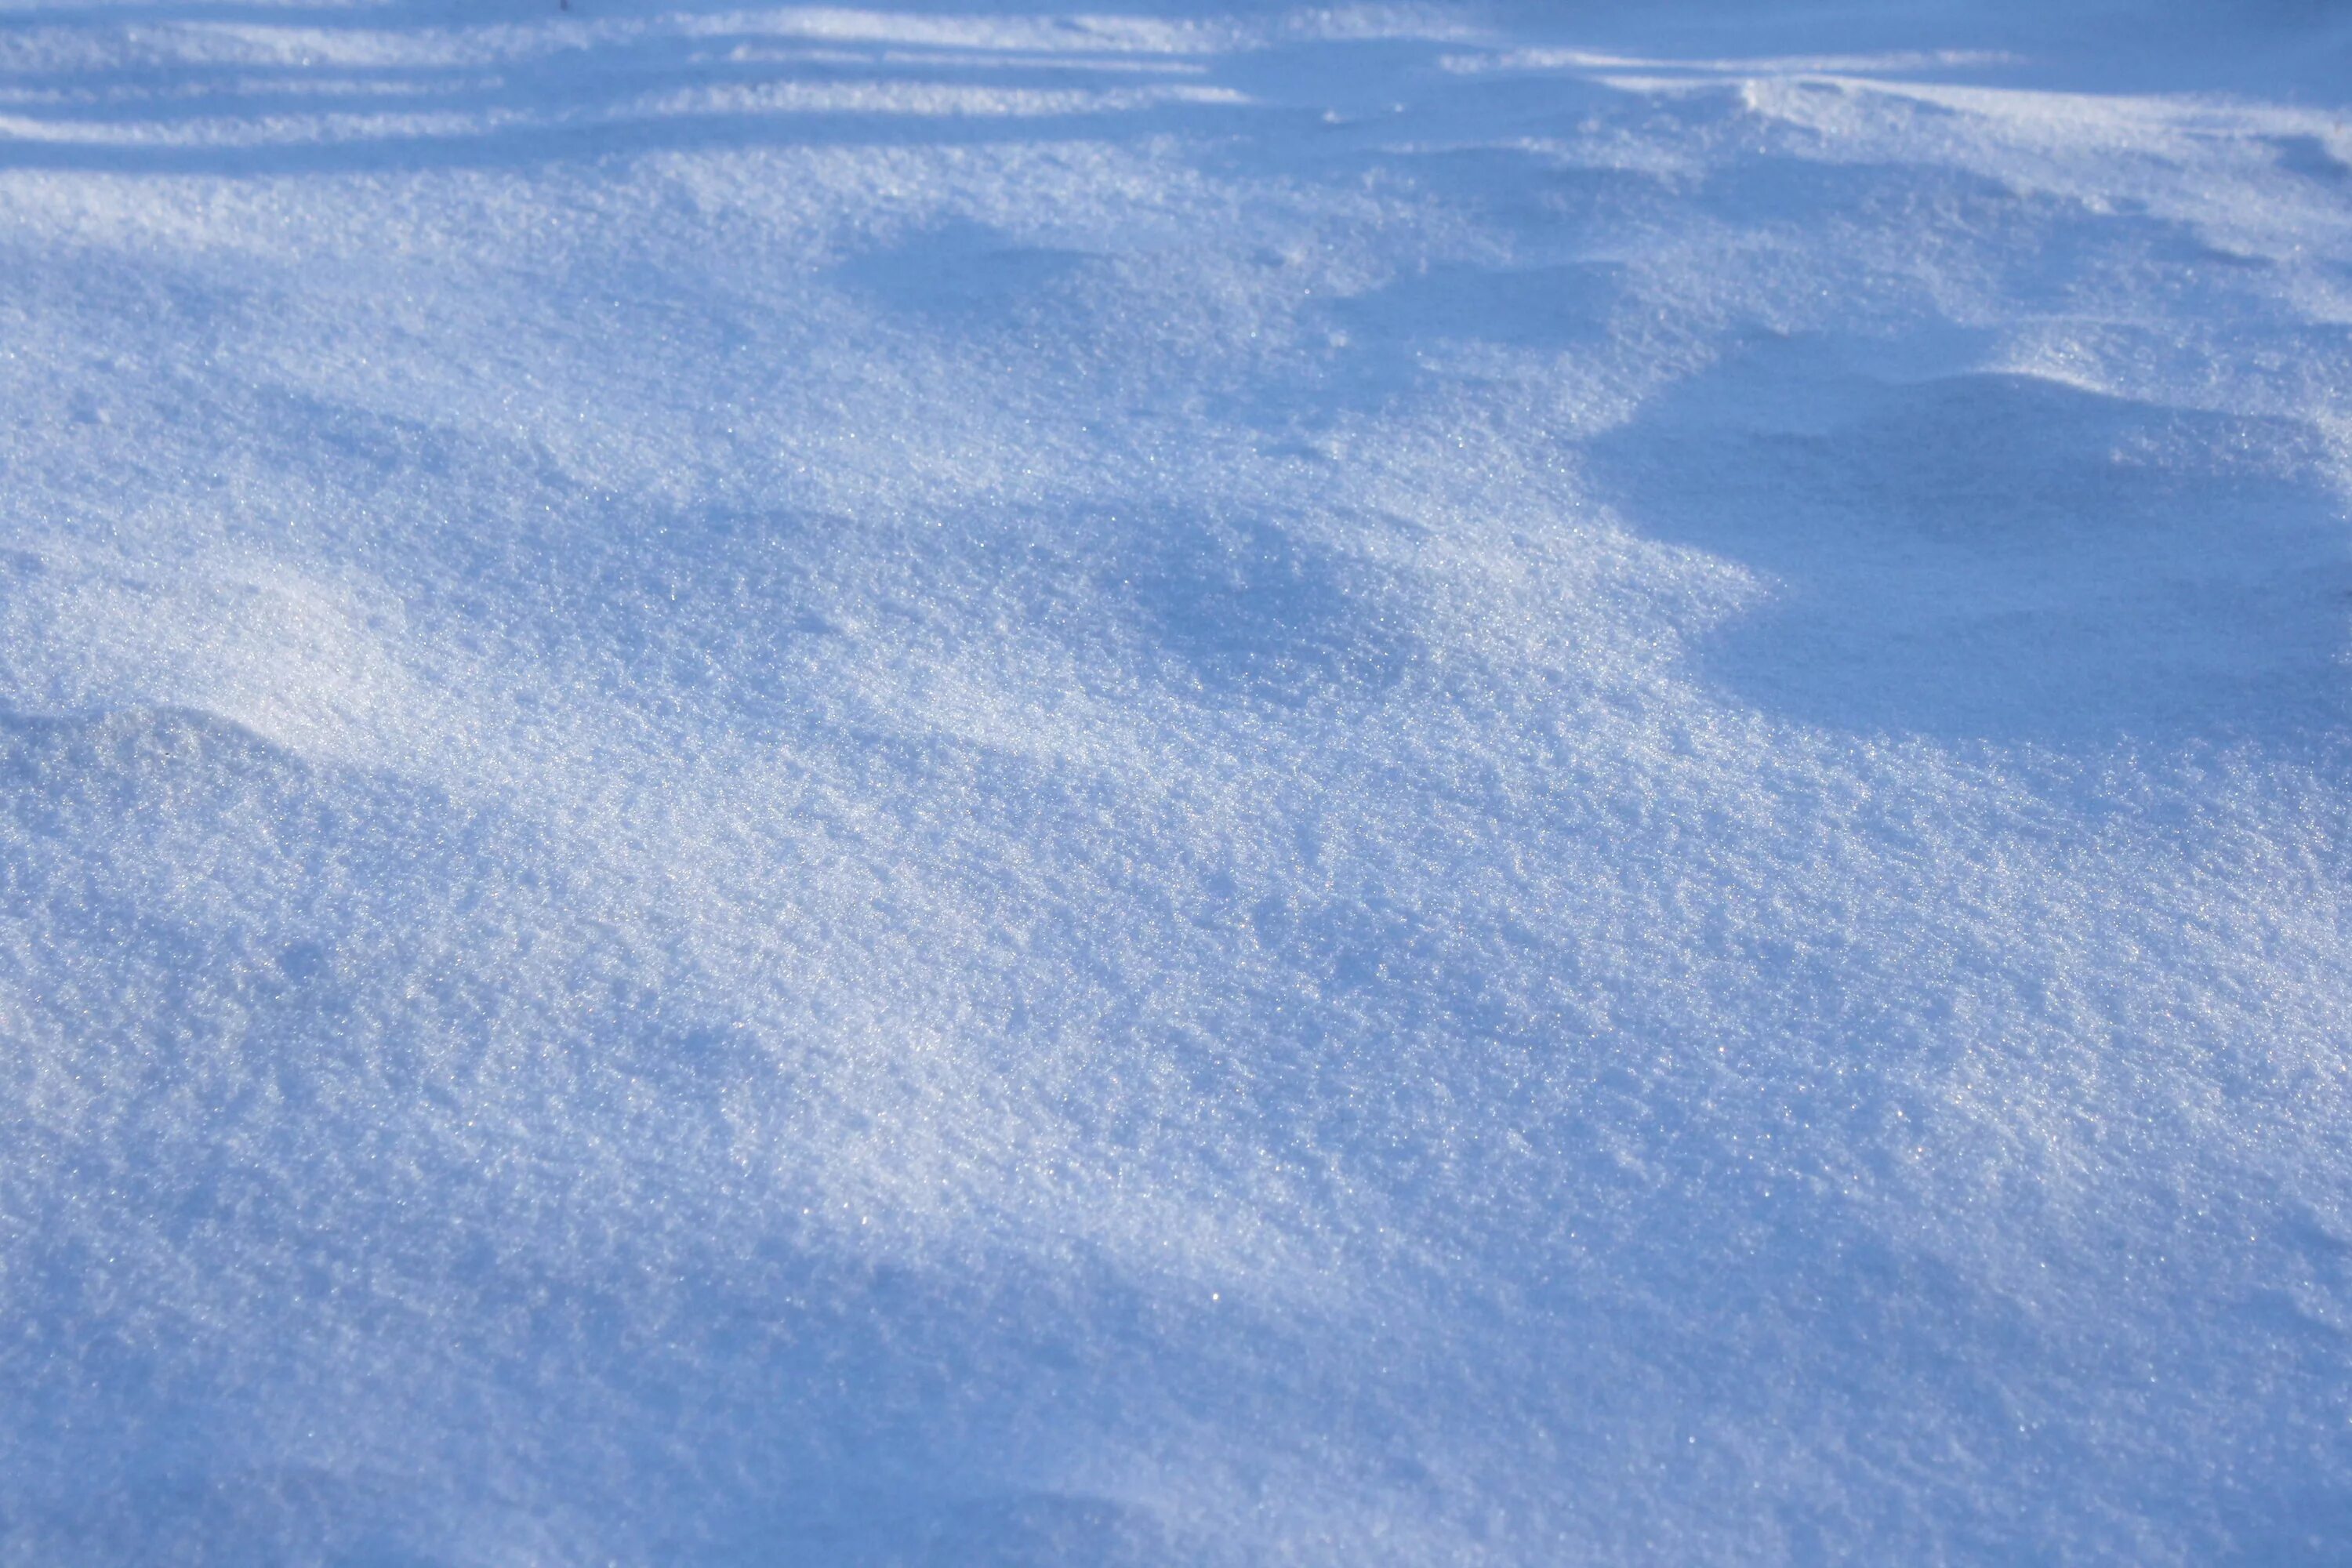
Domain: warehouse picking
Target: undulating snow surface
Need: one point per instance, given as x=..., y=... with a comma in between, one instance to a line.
x=946, y=785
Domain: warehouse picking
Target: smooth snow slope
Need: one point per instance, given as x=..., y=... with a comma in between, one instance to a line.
x=1564, y=785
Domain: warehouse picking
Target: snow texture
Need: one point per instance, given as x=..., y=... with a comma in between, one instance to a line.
x=1546, y=785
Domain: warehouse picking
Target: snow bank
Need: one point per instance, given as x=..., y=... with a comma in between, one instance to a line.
x=1380, y=785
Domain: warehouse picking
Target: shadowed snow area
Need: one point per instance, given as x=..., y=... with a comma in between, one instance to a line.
x=946, y=785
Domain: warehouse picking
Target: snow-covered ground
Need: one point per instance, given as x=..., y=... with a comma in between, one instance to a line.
x=946, y=784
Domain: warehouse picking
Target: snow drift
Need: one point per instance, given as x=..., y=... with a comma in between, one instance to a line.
x=950, y=784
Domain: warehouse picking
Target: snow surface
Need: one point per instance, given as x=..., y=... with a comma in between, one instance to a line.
x=941, y=785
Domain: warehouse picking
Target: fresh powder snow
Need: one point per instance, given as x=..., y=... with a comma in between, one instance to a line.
x=1190, y=783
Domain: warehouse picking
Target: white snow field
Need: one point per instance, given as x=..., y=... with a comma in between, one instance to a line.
x=946, y=784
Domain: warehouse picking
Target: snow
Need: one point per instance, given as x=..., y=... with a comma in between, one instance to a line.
x=1197, y=785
